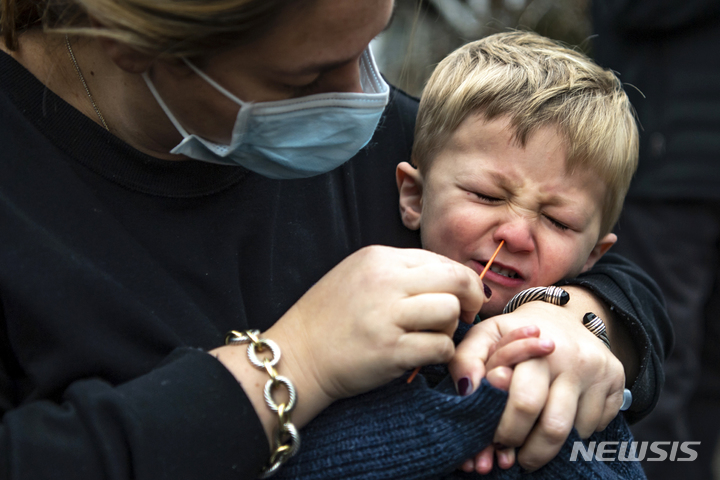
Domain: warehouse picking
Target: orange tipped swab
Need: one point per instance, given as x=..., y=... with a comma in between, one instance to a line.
x=482, y=274
x=492, y=259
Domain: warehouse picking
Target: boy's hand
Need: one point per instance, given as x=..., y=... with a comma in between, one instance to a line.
x=486, y=341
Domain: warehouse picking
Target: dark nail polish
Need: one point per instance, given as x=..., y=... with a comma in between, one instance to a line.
x=488, y=292
x=464, y=387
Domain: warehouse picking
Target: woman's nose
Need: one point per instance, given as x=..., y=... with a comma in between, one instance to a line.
x=517, y=233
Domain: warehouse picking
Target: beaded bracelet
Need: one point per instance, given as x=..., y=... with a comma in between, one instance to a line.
x=286, y=439
x=558, y=296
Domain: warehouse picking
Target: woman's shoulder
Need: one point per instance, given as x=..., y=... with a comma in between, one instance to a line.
x=404, y=103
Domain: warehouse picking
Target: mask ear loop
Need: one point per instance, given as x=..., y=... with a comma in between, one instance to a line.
x=212, y=82
x=370, y=68
x=165, y=108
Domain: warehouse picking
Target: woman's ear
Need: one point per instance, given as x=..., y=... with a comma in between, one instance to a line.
x=600, y=249
x=409, y=183
x=126, y=57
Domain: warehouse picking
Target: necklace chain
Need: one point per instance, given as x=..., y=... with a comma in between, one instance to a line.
x=82, y=79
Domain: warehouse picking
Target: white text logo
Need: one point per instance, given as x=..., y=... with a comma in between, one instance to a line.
x=635, y=451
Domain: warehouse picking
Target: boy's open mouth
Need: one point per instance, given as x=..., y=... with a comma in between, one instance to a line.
x=505, y=272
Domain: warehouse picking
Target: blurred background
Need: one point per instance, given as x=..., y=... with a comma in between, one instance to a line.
x=657, y=45
x=423, y=32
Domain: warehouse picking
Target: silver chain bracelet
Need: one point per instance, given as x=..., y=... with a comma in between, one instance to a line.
x=286, y=439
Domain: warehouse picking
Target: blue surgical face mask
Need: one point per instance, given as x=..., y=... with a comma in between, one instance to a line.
x=295, y=138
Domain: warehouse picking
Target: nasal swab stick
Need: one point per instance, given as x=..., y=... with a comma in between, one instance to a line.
x=492, y=259
x=482, y=274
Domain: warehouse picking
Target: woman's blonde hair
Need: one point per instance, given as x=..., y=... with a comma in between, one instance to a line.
x=168, y=28
x=535, y=82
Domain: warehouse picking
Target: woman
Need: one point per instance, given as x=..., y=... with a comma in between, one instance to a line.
x=147, y=211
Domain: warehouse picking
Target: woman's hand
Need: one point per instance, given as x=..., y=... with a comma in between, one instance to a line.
x=380, y=312
x=580, y=384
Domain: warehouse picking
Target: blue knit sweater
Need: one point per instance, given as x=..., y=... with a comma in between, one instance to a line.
x=424, y=430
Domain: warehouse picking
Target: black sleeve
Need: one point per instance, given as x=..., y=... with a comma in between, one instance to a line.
x=186, y=419
x=638, y=303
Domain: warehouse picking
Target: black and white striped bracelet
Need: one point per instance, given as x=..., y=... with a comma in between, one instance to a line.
x=551, y=294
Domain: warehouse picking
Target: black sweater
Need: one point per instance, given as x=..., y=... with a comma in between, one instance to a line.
x=118, y=270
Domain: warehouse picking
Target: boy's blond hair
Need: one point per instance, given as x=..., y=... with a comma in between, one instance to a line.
x=535, y=82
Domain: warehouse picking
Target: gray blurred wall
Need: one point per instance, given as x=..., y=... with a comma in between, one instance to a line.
x=423, y=32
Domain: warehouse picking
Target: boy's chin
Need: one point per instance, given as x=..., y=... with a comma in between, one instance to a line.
x=492, y=308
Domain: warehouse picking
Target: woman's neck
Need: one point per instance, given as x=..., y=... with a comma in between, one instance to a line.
x=123, y=100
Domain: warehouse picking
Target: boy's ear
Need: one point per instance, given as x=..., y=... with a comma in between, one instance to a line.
x=409, y=183
x=600, y=249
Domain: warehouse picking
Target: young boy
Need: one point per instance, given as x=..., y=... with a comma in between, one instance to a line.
x=519, y=139
x=522, y=140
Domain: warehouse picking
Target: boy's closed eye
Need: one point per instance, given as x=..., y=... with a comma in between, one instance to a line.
x=556, y=224
x=487, y=198
x=493, y=200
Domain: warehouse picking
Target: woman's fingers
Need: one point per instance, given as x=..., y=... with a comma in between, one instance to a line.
x=378, y=313
x=429, y=311
x=597, y=410
x=611, y=408
x=468, y=364
x=590, y=410
x=527, y=396
x=553, y=426
x=424, y=348
x=450, y=277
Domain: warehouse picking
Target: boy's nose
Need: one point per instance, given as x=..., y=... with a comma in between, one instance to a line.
x=516, y=230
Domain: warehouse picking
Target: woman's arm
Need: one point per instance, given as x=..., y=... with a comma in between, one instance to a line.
x=179, y=421
x=377, y=314
x=638, y=312
x=372, y=318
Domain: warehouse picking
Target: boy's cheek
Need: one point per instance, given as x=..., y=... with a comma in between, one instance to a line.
x=494, y=306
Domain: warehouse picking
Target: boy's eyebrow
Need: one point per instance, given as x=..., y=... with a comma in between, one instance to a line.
x=551, y=200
